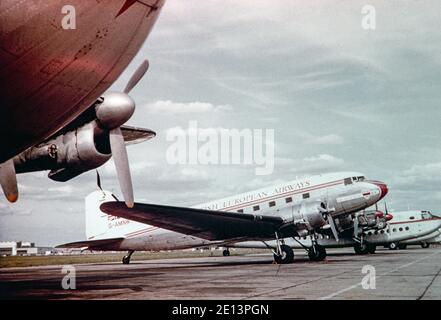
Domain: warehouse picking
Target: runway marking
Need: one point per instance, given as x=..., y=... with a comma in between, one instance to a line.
x=297, y=284
x=430, y=284
x=381, y=275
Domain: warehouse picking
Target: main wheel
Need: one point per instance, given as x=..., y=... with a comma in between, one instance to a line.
x=425, y=245
x=226, y=253
x=126, y=260
x=393, y=246
x=287, y=255
x=317, y=253
x=361, y=248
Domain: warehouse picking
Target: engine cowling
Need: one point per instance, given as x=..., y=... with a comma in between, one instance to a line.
x=69, y=154
x=308, y=217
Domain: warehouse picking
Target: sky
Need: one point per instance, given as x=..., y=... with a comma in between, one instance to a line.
x=338, y=97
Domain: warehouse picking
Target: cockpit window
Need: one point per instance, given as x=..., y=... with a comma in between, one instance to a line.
x=361, y=178
x=348, y=181
x=426, y=215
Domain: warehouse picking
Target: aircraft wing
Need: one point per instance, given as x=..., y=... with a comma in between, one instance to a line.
x=205, y=224
x=134, y=135
x=93, y=244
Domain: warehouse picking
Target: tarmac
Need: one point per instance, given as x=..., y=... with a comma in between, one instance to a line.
x=403, y=274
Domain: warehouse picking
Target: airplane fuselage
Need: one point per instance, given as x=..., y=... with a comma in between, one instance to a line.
x=344, y=193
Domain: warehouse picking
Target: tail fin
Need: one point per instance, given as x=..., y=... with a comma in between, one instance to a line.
x=97, y=222
x=101, y=226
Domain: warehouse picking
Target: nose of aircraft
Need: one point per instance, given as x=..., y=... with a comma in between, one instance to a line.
x=383, y=188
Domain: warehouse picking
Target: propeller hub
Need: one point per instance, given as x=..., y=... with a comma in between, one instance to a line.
x=115, y=110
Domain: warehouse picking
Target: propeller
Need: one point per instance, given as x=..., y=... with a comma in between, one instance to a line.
x=323, y=208
x=356, y=226
x=8, y=180
x=113, y=110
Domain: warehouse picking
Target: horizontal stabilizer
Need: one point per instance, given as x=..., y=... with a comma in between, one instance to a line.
x=109, y=244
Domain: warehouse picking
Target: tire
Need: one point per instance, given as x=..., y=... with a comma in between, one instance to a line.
x=287, y=255
x=226, y=253
x=317, y=254
x=361, y=249
x=126, y=260
x=393, y=246
x=372, y=249
x=425, y=245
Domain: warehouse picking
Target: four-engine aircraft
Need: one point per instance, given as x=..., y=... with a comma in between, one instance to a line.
x=54, y=72
x=298, y=208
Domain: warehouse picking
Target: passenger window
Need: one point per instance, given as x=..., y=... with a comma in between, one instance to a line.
x=394, y=230
x=306, y=196
x=272, y=204
x=255, y=208
x=412, y=218
x=348, y=181
x=288, y=200
x=407, y=228
x=401, y=229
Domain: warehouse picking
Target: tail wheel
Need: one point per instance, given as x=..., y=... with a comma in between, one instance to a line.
x=425, y=245
x=317, y=253
x=126, y=260
x=372, y=249
x=226, y=253
x=287, y=255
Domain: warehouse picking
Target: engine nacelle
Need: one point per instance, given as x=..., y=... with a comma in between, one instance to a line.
x=372, y=220
x=68, y=154
x=308, y=217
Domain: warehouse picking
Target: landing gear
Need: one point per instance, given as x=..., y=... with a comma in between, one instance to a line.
x=425, y=245
x=393, y=246
x=317, y=253
x=286, y=255
x=402, y=246
x=126, y=258
x=226, y=253
x=364, y=248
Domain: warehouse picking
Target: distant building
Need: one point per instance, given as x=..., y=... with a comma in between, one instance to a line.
x=20, y=248
x=8, y=248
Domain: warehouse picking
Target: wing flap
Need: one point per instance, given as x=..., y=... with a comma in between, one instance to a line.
x=205, y=224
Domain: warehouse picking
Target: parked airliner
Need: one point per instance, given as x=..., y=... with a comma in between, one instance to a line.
x=412, y=227
x=298, y=208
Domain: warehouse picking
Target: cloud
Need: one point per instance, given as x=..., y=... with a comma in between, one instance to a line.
x=170, y=107
x=330, y=139
x=426, y=177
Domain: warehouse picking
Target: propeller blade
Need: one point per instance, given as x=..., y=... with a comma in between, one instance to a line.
x=356, y=226
x=139, y=73
x=385, y=207
x=376, y=206
x=333, y=227
x=98, y=180
x=121, y=161
x=8, y=180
